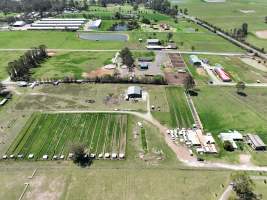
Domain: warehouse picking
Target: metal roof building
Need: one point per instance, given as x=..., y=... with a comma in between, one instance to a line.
x=255, y=142
x=134, y=92
x=231, y=137
x=152, y=41
x=95, y=24
x=19, y=24
x=194, y=60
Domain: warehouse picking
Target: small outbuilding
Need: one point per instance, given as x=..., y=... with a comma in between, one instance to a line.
x=143, y=66
x=95, y=24
x=134, y=92
x=194, y=60
x=255, y=142
x=153, y=42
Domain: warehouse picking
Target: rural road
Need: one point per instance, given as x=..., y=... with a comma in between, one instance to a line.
x=116, y=50
x=226, y=194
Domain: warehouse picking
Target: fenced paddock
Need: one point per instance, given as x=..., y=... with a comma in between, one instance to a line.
x=53, y=135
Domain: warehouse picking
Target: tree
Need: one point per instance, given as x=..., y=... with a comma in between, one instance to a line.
x=193, y=48
x=245, y=29
x=266, y=19
x=240, y=86
x=127, y=58
x=79, y=155
x=243, y=186
x=169, y=36
x=189, y=83
x=135, y=7
x=227, y=145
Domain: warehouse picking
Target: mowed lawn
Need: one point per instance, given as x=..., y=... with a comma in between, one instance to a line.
x=222, y=109
x=201, y=41
x=228, y=15
x=5, y=58
x=71, y=64
x=179, y=113
x=53, y=134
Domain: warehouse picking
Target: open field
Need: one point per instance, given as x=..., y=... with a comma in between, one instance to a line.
x=110, y=183
x=76, y=96
x=231, y=14
x=201, y=41
x=221, y=109
x=178, y=113
x=238, y=70
x=53, y=134
x=71, y=64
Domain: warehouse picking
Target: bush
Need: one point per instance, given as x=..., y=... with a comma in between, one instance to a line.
x=227, y=145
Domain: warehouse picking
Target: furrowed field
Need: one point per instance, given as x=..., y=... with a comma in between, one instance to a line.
x=179, y=110
x=53, y=134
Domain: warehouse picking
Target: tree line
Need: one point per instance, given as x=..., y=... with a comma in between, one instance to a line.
x=19, y=70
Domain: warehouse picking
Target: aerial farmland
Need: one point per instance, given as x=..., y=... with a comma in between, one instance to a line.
x=154, y=100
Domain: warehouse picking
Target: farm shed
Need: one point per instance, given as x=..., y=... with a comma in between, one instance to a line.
x=152, y=41
x=134, y=92
x=195, y=60
x=255, y=142
x=19, y=24
x=231, y=137
x=95, y=24
x=193, y=138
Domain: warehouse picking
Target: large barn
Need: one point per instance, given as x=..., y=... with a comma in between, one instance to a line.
x=134, y=92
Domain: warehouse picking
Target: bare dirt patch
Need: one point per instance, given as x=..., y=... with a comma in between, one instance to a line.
x=175, y=78
x=256, y=63
x=262, y=34
x=98, y=73
x=244, y=159
x=201, y=72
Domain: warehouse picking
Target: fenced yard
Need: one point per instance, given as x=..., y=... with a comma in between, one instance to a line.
x=53, y=134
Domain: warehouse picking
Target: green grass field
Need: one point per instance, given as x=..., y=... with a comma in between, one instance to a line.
x=228, y=15
x=221, y=109
x=71, y=64
x=178, y=113
x=53, y=134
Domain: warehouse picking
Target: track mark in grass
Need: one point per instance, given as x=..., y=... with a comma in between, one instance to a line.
x=106, y=135
x=143, y=139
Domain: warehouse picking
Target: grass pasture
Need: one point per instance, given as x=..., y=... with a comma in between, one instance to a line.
x=53, y=134
x=180, y=113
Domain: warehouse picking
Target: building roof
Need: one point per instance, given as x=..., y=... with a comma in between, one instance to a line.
x=134, y=90
x=95, y=23
x=152, y=40
x=195, y=59
x=256, y=140
x=143, y=64
x=192, y=137
x=235, y=135
x=19, y=23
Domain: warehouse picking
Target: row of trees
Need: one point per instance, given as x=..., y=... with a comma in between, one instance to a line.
x=240, y=33
x=41, y=5
x=19, y=70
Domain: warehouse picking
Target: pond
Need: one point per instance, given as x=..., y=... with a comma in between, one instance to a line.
x=103, y=36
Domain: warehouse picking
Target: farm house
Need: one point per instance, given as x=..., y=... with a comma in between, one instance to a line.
x=255, y=142
x=194, y=60
x=134, y=92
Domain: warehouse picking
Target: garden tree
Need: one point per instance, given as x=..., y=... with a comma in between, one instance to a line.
x=240, y=86
x=135, y=7
x=193, y=48
x=245, y=29
x=186, y=11
x=145, y=21
x=189, y=83
x=266, y=19
x=127, y=58
x=243, y=186
x=227, y=145
x=169, y=36
x=79, y=155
